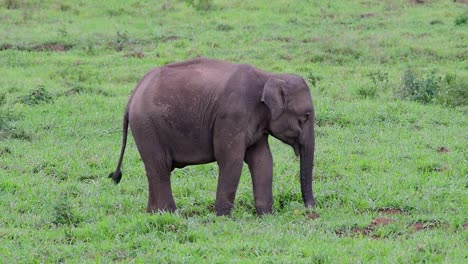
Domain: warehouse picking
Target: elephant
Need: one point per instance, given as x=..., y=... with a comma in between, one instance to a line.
x=205, y=110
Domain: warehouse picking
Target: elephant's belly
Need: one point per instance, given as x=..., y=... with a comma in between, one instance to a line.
x=191, y=153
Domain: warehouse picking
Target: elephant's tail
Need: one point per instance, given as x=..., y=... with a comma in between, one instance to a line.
x=117, y=174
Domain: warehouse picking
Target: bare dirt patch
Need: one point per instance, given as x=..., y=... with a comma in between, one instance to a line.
x=169, y=38
x=465, y=225
x=380, y=221
x=282, y=39
x=312, y=40
x=313, y=215
x=427, y=225
x=442, y=150
x=366, y=15
x=135, y=54
x=286, y=57
x=366, y=231
x=54, y=47
x=57, y=47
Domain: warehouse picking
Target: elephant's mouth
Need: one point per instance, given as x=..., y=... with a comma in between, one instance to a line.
x=293, y=142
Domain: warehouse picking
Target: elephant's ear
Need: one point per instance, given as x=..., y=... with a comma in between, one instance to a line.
x=274, y=96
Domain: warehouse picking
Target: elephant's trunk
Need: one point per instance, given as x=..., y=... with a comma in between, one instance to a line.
x=307, y=148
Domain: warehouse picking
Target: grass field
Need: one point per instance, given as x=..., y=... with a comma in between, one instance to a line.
x=389, y=81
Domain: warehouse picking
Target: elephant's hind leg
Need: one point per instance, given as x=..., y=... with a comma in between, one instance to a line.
x=159, y=187
x=158, y=166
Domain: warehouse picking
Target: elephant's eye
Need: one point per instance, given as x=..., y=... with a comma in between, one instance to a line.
x=304, y=118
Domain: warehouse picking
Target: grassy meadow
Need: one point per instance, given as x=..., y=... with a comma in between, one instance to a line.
x=390, y=86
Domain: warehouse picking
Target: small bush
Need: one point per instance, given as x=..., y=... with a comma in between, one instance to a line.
x=420, y=88
x=200, y=5
x=455, y=92
x=37, y=96
x=462, y=19
x=433, y=88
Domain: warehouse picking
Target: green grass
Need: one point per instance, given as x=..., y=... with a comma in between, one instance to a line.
x=68, y=68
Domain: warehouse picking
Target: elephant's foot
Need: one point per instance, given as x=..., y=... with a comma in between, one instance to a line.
x=223, y=209
x=156, y=209
x=263, y=210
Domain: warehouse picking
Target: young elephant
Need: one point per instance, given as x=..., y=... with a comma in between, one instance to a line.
x=206, y=110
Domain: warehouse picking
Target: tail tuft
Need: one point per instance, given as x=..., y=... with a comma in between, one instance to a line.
x=116, y=176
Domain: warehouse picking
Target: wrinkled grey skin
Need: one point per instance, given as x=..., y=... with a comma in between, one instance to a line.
x=205, y=110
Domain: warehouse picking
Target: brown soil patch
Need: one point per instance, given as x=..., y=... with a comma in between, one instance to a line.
x=465, y=225
x=6, y=46
x=462, y=1
x=313, y=215
x=366, y=15
x=312, y=40
x=442, y=150
x=57, y=47
x=170, y=38
x=282, y=39
x=424, y=225
x=390, y=211
x=367, y=231
x=362, y=230
x=418, y=1
x=443, y=167
x=380, y=221
x=286, y=57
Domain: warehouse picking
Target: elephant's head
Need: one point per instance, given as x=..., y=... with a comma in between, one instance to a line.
x=292, y=121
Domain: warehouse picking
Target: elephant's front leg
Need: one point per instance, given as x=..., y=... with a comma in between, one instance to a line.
x=260, y=161
x=229, y=154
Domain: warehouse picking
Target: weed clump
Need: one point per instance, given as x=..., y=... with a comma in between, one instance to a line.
x=224, y=27
x=121, y=41
x=162, y=222
x=7, y=123
x=462, y=19
x=313, y=78
x=11, y=4
x=81, y=79
x=64, y=214
x=37, y=96
x=380, y=82
x=2, y=99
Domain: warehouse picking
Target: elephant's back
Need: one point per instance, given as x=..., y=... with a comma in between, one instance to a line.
x=181, y=102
